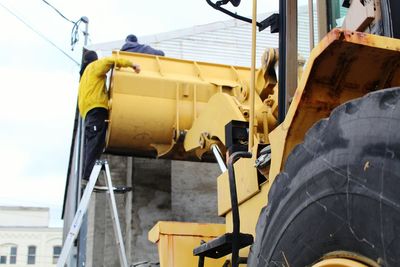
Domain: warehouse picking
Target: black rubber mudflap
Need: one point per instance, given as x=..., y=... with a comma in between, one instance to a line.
x=340, y=189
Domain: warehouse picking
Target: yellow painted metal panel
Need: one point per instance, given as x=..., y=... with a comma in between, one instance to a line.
x=176, y=241
x=220, y=110
x=249, y=212
x=246, y=183
x=185, y=228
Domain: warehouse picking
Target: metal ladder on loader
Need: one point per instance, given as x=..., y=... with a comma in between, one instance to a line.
x=101, y=165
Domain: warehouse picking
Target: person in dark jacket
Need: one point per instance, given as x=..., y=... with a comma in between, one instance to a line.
x=132, y=45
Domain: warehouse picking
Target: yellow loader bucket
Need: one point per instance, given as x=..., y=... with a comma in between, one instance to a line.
x=151, y=111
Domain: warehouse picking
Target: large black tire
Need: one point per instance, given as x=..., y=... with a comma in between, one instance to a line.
x=340, y=189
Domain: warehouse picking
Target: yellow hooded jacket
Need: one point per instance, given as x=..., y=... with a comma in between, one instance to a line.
x=92, y=87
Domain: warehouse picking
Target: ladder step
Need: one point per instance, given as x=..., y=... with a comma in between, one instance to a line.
x=117, y=189
x=222, y=245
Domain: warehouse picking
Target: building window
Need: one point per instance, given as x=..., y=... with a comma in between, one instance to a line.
x=3, y=259
x=56, y=253
x=13, y=255
x=31, y=254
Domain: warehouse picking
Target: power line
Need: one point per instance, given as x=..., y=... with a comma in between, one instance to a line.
x=74, y=34
x=59, y=12
x=38, y=33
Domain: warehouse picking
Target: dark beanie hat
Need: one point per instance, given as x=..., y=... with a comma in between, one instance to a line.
x=89, y=56
x=131, y=38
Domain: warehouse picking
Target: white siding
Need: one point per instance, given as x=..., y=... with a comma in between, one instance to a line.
x=303, y=36
x=227, y=42
x=230, y=45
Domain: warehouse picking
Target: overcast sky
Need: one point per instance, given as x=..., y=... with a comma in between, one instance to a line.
x=38, y=84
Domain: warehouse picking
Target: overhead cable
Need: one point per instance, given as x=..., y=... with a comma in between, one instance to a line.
x=39, y=34
x=59, y=12
x=74, y=34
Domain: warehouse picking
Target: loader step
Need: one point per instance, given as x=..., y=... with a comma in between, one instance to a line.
x=222, y=245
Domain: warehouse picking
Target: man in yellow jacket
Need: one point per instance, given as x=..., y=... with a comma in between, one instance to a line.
x=93, y=106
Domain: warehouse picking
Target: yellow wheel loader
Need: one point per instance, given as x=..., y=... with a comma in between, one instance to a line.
x=309, y=176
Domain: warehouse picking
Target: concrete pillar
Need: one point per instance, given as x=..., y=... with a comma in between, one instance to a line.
x=194, y=192
x=151, y=202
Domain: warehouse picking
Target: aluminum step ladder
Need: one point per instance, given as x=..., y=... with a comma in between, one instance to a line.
x=100, y=165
